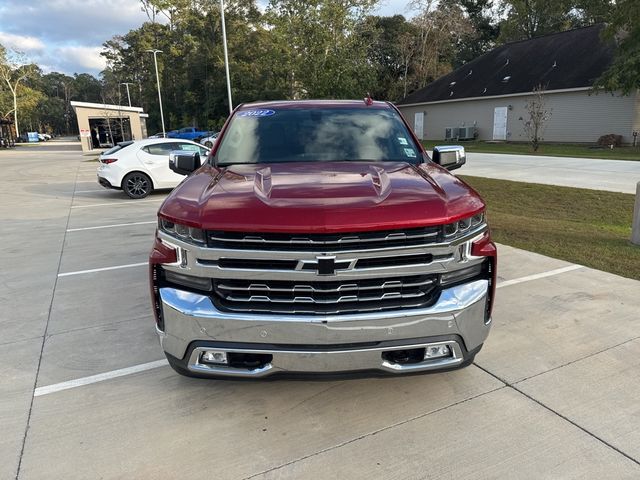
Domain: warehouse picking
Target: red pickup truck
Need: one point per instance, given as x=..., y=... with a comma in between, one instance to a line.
x=318, y=237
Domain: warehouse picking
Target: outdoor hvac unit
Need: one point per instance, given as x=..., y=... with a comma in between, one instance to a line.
x=466, y=133
x=451, y=133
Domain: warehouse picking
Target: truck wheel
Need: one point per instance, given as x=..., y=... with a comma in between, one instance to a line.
x=137, y=185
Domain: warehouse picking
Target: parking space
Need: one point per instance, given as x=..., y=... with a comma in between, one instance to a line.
x=87, y=393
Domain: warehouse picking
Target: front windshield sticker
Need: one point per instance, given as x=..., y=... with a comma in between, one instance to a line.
x=402, y=141
x=256, y=113
x=410, y=152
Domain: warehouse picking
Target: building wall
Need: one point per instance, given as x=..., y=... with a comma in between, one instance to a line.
x=84, y=114
x=575, y=116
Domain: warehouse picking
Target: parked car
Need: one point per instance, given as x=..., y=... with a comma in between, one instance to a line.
x=321, y=238
x=210, y=140
x=119, y=146
x=188, y=133
x=142, y=166
x=158, y=135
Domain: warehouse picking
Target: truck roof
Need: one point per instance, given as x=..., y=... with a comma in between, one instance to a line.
x=281, y=104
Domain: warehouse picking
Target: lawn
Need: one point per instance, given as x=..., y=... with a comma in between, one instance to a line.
x=588, y=227
x=551, y=149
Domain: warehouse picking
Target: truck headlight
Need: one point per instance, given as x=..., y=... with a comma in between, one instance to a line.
x=463, y=226
x=185, y=233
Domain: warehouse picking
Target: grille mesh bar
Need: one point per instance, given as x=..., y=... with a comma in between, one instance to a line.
x=333, y=242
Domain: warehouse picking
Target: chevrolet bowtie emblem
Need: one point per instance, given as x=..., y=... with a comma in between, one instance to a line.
x=326, y=265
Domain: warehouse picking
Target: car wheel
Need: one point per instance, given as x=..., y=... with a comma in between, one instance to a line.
x=137, y=185
x=208, y=144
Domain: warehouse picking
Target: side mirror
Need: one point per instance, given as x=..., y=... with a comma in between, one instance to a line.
x=449, y=156
x=184, y=163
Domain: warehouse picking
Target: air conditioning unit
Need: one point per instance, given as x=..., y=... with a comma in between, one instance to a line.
x=451, y=133
x=466, y=133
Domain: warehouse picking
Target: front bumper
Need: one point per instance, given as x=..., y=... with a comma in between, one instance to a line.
x=324, y=343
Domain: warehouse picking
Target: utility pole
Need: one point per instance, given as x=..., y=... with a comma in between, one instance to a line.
x=226, y=55
x=155, y=62
x=126, y=84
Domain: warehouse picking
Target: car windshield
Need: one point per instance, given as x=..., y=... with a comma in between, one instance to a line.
x=316, y=134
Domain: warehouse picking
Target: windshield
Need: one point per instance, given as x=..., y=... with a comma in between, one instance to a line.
x=316, y=134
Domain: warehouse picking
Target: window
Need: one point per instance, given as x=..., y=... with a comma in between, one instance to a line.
x=317, y=134
x=190, y=147
x=159, y=148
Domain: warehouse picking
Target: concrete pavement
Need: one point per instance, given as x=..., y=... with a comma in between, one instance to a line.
x=612, y=175
x=553, y=394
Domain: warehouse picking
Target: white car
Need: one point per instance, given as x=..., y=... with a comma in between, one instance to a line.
x=210, y=140
x=142, y=166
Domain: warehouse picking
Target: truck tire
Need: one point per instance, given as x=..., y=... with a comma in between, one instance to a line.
x=137, y=185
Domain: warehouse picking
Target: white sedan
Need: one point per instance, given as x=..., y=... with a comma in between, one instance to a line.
x=142, y=166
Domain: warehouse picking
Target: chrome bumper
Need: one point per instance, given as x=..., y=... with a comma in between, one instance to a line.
x=315, y=343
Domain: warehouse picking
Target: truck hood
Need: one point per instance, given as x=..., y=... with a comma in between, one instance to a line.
x=320, y=197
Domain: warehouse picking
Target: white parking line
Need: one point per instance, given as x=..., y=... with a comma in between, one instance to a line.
x=101, y=377
x=104, y=269
x=126, y=202
x=56, y=387
x=109, y=226
x=537, y=276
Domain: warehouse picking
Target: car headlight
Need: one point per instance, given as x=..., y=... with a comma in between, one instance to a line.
x=182, y=232
x=463, y=226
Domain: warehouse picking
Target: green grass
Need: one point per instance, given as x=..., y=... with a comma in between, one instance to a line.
x=588, y=227
x=551, y=149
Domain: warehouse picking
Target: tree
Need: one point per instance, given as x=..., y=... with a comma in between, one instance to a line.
x=440, y=28
x=391, y=47
x=536, y=118
x=624, y=28
x=317, y=47
x=485, y=29
x=14, y=69
x=526, y=19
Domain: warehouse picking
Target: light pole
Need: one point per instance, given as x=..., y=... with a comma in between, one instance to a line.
x=155, y=62
x=126, y=84
x=226, y=55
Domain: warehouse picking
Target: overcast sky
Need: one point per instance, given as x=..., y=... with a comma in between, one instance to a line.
x=67, y=35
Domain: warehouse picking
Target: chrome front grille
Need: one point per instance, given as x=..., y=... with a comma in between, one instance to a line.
x=278, y=273
x=324, y=241
x=325, y=297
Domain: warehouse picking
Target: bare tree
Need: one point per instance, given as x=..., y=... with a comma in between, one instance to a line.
x=14, y=69
x=537, y=116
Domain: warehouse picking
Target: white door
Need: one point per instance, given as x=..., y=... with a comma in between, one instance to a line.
x=500, y=123
x=155, y=158
x=418, y=124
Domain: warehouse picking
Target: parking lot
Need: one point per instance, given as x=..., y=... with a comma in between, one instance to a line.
x=86, y=392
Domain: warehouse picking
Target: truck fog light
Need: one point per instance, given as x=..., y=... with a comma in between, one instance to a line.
x=437, y=351
x=214, y=356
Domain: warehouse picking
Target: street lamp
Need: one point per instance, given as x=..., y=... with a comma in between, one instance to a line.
x=226, y=55
x=155, y=62
x=126, y=84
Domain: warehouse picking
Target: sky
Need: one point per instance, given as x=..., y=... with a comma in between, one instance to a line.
x=67, y=35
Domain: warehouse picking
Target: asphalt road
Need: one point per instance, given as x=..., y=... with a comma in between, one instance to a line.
x=85, y=392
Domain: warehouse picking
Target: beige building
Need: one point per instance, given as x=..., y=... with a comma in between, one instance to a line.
x=486, y=98
x=101, y=125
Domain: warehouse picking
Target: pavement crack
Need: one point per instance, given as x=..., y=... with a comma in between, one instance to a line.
x=374, y=432
x=46, y=327
x=564, y=417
